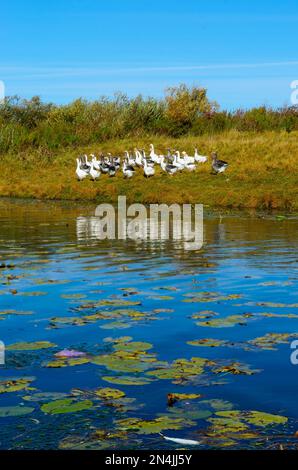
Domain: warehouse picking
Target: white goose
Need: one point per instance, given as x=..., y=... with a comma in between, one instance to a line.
x=149, y=162
x=200, y=158
x=81, y=174
x=130, y=160
x=187, y=158
x=148, y=170
x=138, y=158
x=190, y=166
x=180, y=160
x=95, y=162
x=128, y=170
x=180, y=165
x=168, y=167
x=94, y=173
x=156, y=158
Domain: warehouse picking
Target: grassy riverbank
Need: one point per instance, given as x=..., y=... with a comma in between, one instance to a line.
x=262, y=173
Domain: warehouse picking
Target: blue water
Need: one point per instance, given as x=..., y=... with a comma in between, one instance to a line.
x=251, y=256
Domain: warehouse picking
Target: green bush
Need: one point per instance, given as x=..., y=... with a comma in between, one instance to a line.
x=26, y=124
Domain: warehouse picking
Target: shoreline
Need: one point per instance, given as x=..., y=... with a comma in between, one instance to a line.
x=262, y=174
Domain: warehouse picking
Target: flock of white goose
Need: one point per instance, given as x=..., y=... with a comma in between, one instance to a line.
x=171, y=163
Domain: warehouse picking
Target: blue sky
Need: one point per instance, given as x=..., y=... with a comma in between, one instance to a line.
x=245, y=52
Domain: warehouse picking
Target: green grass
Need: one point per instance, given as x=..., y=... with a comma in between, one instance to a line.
x=262, y=173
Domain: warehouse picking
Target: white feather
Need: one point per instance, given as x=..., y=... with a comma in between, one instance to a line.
x=187, y=442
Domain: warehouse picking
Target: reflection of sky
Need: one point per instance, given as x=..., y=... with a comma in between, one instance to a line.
x=243, y=52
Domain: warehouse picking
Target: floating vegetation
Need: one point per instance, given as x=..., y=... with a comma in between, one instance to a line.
x=16, y=384
x=181, y=370
x=235, y=368
x=45, y=396
x=172, y=398
x=119, y=303
x=226, y=322
x=206, y=297
x=270, y=340
x=208, y=342
x=30, y=346
x=66, y=405
x=126, y=361
x=13, y=411
x=109, y=393
x=66, y=362
x=153, y=426
x=14, y=312
x=241, y=424
x=127, y=380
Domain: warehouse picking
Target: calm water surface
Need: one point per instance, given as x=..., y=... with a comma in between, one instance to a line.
x=128, y=311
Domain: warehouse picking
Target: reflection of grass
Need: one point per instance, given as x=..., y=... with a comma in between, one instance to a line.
x=262, y=173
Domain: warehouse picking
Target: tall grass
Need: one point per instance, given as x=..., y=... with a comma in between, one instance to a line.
x=27, y=125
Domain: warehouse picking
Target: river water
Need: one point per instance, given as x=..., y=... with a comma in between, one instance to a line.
x=96, y=334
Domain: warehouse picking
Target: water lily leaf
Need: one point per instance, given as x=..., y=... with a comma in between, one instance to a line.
x=116, y=325
x=32, y=294
x=133, y=346
x=14, y=312
x=15, y=384
x=229, y=321
x=257, y=418
x=121, y=339
x=125, y=360
x=109, y=393
x=160, y=297
x=7, y=411
x=163, y=310
x=183, y=396
x=204, y=314
x=23, y=346
x=45, y=396
x=67, y=405
x=208, y=342
x=66, y=362
x=270, y=340
x=180, y=370
x=227, y=426
x=127, y=380
x=153, y=426
x=235, y=368
x=217, y=404
x=44, y=282
x=210, y=297
x=73, y=296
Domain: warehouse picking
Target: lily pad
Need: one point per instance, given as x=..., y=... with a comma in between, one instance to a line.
x=66, y=405
x=229, y=321
x=8, y=411
x=109, y=393
x=15, y=384
x=207, y=342
x=127, y=380
x=153, y=426
x=23, y=346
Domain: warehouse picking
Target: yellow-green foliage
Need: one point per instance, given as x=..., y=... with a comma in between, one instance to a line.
x=262, y=173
